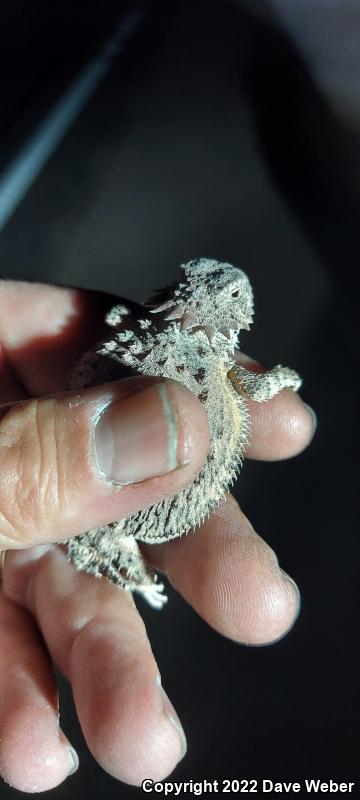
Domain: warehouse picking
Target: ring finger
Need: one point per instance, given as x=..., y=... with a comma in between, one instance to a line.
x=97, y=638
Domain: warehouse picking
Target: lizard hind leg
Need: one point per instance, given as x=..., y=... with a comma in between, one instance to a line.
x=122, y=564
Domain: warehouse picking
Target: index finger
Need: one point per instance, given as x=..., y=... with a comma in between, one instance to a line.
x=45, y=329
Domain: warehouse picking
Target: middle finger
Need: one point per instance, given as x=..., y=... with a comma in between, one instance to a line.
x=98, y=640
x=231, y=577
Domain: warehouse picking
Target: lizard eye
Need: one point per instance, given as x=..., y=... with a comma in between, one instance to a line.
x=235, y=293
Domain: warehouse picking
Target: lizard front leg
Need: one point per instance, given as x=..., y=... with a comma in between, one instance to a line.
x=261, y=386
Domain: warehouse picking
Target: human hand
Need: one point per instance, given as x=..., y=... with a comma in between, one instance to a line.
x=50, y=489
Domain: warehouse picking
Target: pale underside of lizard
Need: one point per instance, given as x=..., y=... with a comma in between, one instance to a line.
x=189, y=332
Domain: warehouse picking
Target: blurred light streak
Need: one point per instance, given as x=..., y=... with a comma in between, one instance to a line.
x=18, y=177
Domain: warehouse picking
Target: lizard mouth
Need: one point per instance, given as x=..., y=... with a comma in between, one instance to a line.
x=228, y=332
x=246, y=322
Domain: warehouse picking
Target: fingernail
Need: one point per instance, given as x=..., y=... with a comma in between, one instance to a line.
x=137, y=438
x=72, y=755
x=313, y=418
x=295, y=592
x=243, y=358
x=171, y=714
x=73, y=760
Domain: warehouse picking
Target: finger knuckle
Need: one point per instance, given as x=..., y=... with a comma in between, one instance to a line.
x=31, y=482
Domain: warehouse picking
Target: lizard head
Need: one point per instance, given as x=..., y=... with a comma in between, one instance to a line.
x=220, y=295
x=215, y=296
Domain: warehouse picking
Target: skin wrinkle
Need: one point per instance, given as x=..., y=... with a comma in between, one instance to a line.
x=260, y=611
x=6, y=540
x=81, y=435
x=30, y=594
x=153, y=735
x=44, y=488
x=77, y=627
x=60, y=452
x=32, y=499
x=15, y=453
x=10, y=495
x=281, y=435
x=91, y=634
x=49, y=473
x=121, y=665
x=223, y=563
x=222, y=580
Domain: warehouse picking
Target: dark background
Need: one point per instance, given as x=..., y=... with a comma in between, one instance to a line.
x=229, y=130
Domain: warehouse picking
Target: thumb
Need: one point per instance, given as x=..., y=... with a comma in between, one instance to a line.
x=74, y=461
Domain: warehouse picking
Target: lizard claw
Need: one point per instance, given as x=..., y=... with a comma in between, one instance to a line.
x=153, y=594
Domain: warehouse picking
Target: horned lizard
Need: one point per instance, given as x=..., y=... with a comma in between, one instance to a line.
x=188, y=332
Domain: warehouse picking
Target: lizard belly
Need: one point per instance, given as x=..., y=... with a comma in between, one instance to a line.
x=171, y=518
